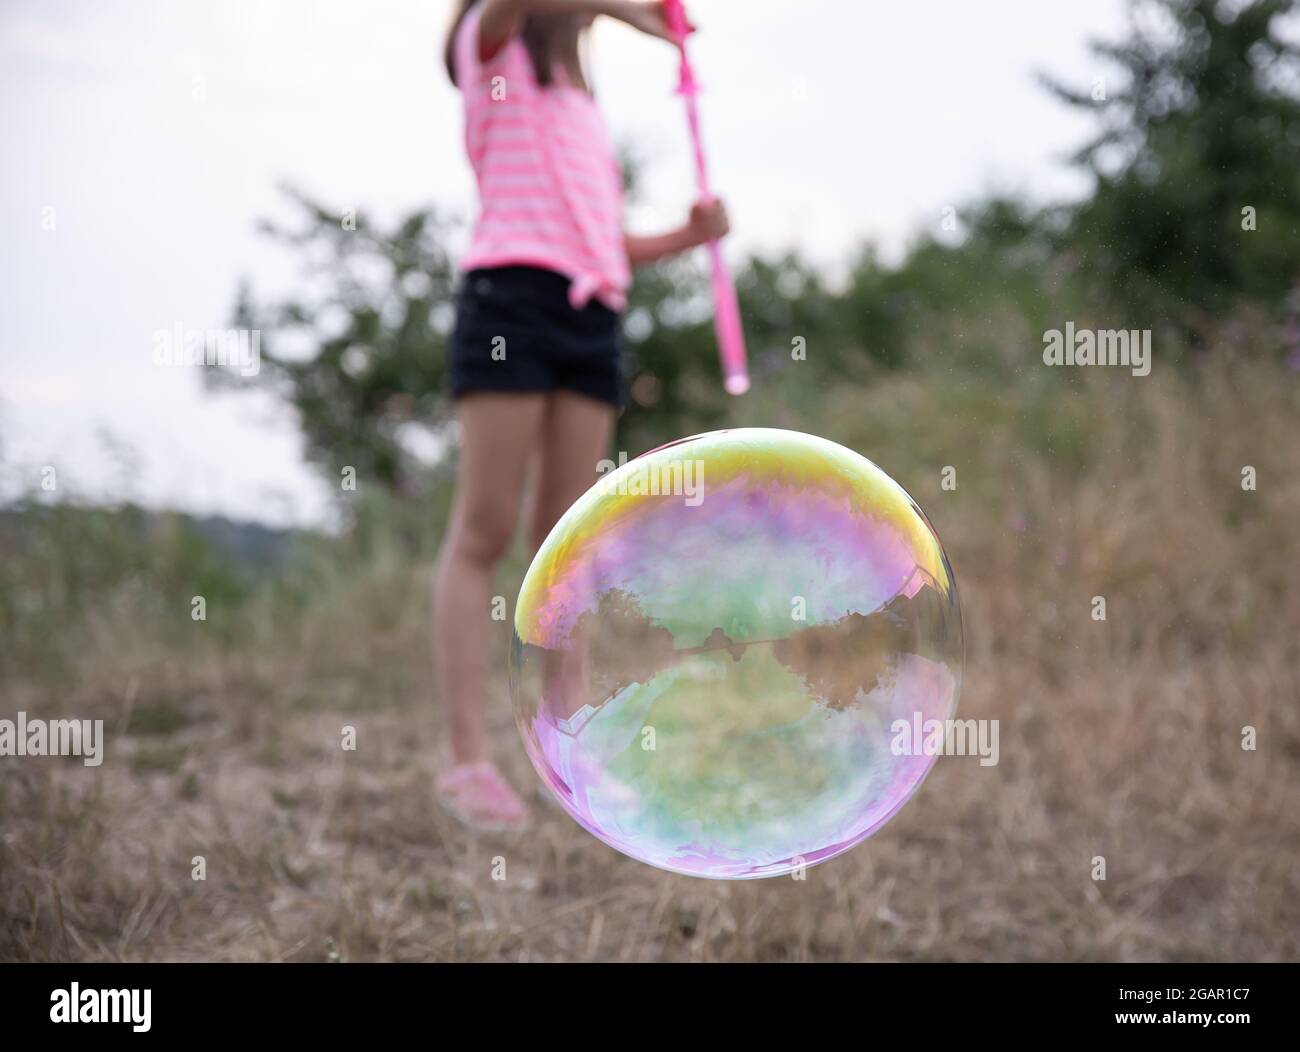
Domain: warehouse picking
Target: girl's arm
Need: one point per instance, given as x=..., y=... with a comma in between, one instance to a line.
x=708, y=222
x=501, y=18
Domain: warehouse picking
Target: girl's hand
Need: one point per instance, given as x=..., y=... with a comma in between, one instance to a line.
x=648, y=17
x=708, y=221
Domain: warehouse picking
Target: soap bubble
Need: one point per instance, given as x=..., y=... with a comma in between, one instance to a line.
x=730, y=653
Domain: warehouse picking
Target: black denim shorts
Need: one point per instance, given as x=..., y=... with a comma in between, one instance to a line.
x=516, y=331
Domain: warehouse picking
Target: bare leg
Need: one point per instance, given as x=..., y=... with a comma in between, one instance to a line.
x=498, y=435
x=576, y=433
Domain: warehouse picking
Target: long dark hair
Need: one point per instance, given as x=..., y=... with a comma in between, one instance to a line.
x=551, y=40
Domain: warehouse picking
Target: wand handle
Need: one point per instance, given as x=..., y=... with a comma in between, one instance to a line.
x=726, y=308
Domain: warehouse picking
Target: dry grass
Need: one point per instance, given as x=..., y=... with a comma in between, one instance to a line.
x=1120, y=739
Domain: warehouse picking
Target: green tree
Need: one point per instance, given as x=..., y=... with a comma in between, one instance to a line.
x=359, y=350
x=1200, y=142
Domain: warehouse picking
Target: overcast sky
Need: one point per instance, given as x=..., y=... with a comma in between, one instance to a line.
x=142, y=139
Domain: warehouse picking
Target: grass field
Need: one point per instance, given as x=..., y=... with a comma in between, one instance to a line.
x=1121, y=739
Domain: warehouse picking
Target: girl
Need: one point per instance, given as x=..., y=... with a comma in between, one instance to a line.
x=534, y=354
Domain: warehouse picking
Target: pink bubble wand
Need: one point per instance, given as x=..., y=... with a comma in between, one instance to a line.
x=726, y=310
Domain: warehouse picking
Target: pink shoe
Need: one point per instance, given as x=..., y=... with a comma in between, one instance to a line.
x=477, y=795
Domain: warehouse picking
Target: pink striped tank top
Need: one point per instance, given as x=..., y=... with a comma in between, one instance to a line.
x=550, y=186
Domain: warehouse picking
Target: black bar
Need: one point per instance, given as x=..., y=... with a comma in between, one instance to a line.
x=573, y=1003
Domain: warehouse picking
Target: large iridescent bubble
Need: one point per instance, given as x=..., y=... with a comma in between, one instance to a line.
x=724, y=649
